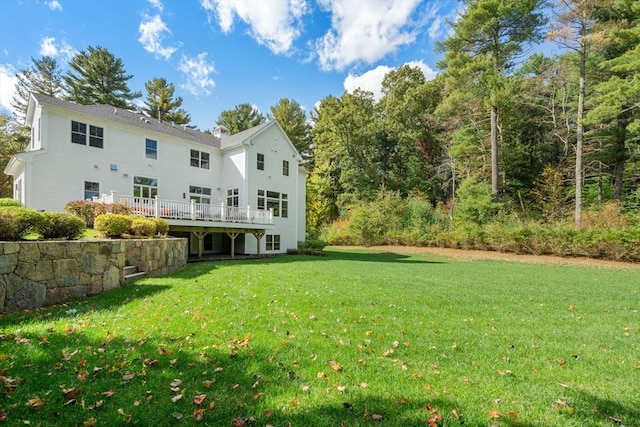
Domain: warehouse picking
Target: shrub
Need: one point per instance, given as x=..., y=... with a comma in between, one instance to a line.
x=113, y=225
x=60, y=225
x=88, y=210
x=118, y=208
x=16, y=222
x=475, y=203
x=83, y=209
x=10, y=203
x=142, y=227
x=162, y=226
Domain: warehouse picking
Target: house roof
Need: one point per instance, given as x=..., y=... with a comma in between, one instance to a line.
x=130, y=118
x=141, y=121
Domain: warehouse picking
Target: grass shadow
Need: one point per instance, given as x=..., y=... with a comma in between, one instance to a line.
x=114, y=298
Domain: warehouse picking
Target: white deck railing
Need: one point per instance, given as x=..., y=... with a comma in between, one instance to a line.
x=177, y=209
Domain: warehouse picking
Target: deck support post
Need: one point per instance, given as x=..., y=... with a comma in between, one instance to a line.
x=233, y=236
x=258, y=235
x=200, y=236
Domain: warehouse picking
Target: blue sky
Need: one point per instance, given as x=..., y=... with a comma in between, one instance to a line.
x=221, y=53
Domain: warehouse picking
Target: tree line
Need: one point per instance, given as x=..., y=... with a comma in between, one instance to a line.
x=539, y=136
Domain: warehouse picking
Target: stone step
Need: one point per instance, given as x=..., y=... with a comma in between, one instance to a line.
x=130, y=269
x=134, y=276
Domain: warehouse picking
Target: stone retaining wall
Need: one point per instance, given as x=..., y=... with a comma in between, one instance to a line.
x=37, y=274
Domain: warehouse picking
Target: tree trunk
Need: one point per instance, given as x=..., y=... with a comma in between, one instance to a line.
x=620, y=157
x=494, y=153
x=579, y=140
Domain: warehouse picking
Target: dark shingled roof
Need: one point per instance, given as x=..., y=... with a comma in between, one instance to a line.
x=137, y=120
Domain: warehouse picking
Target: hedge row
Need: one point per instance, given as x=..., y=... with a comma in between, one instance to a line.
x=16, y=223
x=88, y=210
x=116, y=225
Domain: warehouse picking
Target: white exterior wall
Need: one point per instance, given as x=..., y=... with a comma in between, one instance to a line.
x=59, y=177
x=276, y=147
x=53, y=170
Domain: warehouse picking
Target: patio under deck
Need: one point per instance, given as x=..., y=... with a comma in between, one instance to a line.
x=199, y=219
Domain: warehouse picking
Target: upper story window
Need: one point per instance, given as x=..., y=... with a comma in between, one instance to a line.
x=260, y=163
x=200, y=194
x=151, y=149
x=233, y=197
x=199, y=159
x=285, y=167
x=79, y=134
x=96, y=136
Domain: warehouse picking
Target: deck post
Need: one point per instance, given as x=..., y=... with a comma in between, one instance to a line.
x=233, y=236
x=223, y=215
x=258, y=235
x=192, y=209
x=200, y=236
x=157, y=206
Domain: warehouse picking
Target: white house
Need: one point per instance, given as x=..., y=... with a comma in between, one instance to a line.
x=225, y=192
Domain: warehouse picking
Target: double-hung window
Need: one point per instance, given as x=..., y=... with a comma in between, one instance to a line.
x=200, y=159
x=285, y=167
x=151, y=148
x=96, y=136
x=79, y=134
x=273, y=242
x=260, y=162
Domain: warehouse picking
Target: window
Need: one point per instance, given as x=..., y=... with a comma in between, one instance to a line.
x=78, y=133
x=200, y=194
x=284, y=207
x=272, y=200
x=233, y=198
x=273, y=242
x=199, y=159
x=260, y=164
x=151, y=149
x=145, y=187
x=285, y=167
x=91, y=190
x=261, y=199
x=96, y=136
x=17, y=191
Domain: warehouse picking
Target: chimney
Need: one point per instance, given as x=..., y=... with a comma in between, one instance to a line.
x=221, y=132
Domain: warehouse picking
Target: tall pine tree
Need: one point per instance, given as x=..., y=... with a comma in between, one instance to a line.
x=98, y=77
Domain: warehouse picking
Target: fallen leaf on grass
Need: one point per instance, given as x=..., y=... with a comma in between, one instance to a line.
x=35, y=403
x=199, y=399
x=494, y=414
x=335, y=365
x=108, y=393
x=177, y=415
x=175, y=398
x=90, y=422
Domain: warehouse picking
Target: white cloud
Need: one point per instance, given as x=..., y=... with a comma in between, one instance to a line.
x=152, y=29
x=49, y=47
x=54, y=5
x=365, y=31
x=275, y=23
x=371, y=81
x=8, y=82
x=157, y=4
x=196, y=72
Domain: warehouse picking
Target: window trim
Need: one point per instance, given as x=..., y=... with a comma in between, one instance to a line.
x=272, y=242
x=151, y=153
x=97, y=191
x=200, y=159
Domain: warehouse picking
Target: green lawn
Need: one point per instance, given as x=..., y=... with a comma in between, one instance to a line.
x=356, y=337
